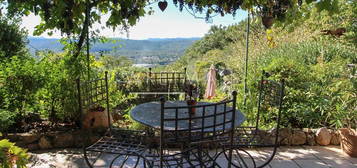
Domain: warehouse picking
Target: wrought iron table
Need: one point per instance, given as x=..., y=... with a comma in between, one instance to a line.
x=208, y=118
x=149, y=114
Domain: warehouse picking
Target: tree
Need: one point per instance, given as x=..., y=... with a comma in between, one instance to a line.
x=111, y=62
x=12, y=39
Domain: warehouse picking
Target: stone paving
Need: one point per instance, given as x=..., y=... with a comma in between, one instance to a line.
x=287, y=157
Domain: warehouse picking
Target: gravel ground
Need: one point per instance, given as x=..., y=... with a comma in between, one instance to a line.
x=286, y=157
x=61, y=158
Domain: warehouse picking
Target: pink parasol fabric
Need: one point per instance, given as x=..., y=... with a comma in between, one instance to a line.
x=211, y=83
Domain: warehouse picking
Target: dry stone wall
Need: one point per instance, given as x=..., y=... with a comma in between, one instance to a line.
x=78, y=138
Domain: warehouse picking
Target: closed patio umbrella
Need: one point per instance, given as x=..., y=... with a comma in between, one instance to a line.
x=211, y=83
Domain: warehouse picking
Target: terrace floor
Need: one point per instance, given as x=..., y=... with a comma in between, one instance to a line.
x=287, y=157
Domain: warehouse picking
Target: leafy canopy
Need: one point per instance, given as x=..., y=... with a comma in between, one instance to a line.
x=68, y=16
x=75, y=17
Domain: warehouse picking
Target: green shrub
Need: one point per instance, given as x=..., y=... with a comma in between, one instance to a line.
x=11, y=155
x=19, y=83
x=12, y=38
x=6, y=120
x=319, y=91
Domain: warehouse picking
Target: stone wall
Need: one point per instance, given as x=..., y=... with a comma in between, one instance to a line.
x=306, y=136
x=50, y=140
x=78, y=138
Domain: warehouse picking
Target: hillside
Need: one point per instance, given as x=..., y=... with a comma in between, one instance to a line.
x=150, y=51
x=321, y=85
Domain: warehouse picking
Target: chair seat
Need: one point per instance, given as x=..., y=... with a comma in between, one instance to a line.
x=115, y=146
x=120, y=142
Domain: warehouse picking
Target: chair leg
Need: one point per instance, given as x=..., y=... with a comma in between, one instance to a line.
x=126, y=158
x=115, y=158
x=238, y=160
x=85, y=153
x=241, y=161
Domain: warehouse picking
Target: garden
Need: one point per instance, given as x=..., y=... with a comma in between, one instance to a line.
x=310, y=44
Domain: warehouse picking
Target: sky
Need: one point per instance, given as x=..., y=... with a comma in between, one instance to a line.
x=168, y=24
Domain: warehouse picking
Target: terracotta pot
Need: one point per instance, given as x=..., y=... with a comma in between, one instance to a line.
x=191, y=111
x=267, y=21
x=96, y=119
x=348, y=141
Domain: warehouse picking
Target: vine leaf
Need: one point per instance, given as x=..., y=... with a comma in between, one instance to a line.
x=162, y=5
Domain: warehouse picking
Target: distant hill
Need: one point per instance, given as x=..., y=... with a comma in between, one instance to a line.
x=151, y=51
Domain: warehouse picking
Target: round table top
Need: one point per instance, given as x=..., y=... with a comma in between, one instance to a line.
x=149, y=114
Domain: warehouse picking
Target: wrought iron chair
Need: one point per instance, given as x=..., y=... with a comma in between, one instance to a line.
x=122, y=143
x=156, y=84
x=193, y=134
x=270, y=102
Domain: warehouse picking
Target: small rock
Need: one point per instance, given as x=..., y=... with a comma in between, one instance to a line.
x=307, y=130
x=261, y=133
x=335, y=138
x=12, y=137
x=63, y=140
x=45, y=143
x=298, y=137
x=32, y=147
x=323, y=136
x=265, y=136
x=20, y=144
x=28, y=138
x=310, y=139
x=285, y=136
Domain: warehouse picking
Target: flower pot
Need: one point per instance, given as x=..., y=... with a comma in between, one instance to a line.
x=192, y=110
x=348, y=141
x=96, y=118
x=267, y=21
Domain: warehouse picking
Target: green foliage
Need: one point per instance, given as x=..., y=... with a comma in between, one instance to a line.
x=319, y=88
x=11, y=155
x=319, y=91
x=20, y=82
x=69, y=16
x=57, y=98
x=12, y=38
x=111, y=62
x=6, y=120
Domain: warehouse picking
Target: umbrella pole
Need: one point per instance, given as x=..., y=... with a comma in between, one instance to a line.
x=246, y=62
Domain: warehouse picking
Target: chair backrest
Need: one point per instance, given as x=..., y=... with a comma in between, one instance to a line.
x=210, y=121
x=270, y=98
x=93, y=95
x=167, y=81
x=155, y=83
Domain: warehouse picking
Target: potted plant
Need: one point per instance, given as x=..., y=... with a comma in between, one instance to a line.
x=192, y=93
x=348, y=136
x=267, y=17
x=348, y=141
x=272, y=10
x=96, y=117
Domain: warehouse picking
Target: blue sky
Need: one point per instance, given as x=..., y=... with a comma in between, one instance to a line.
x=168, y=24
